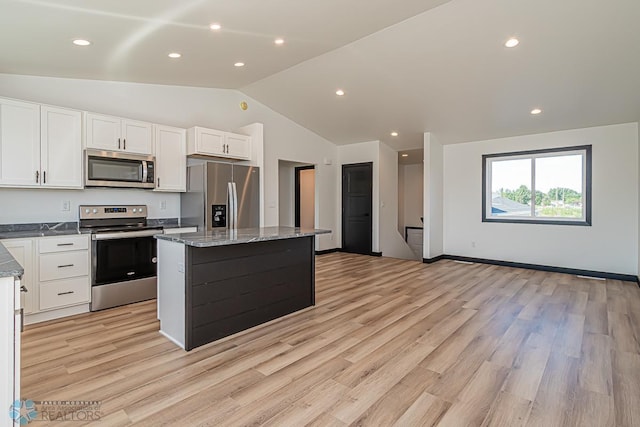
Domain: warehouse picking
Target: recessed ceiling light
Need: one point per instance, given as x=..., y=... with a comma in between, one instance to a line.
x=279, y=41
x=215, y=27
x=81, y=42
x=239, y=64
x=405, y=155
x=536, y=111
x=340, y=92
x=394, y=133
x=174, y=55
x=512, y=42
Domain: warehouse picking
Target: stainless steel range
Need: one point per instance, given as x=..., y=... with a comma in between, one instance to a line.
x=123, y=254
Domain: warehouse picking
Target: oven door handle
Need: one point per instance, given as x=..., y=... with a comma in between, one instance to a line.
x=125, y=234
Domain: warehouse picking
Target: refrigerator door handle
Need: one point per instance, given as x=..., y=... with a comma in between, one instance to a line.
x=235, y=205
x=232, y=203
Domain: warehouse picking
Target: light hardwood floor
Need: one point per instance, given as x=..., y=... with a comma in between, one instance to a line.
x=389, y=342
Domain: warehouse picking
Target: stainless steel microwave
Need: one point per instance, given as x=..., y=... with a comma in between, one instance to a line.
x=116, y=169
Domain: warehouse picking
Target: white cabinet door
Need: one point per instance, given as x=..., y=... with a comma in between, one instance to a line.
x=103, y=132
x=22, y=251
x=137, y=137
x=19, y=143
x=8, y=352
x=207, y=142
x=238, y=146
x=61, y=147
x=171, y=159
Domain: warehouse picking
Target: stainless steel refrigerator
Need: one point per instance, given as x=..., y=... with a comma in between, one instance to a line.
x=221, y=195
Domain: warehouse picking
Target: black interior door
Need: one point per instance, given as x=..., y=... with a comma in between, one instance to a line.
x=357, y=194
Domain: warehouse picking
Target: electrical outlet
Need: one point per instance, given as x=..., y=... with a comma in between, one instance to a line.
x=163, y=205
x=66, y=205
x=473, y=244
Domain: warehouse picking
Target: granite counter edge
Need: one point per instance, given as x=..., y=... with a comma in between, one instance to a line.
x=199, y=240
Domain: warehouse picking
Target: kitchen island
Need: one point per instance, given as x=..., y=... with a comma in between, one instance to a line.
x=214, y=284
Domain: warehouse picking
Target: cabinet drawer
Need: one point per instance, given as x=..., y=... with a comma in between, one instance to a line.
x=63, y=243
x=64, y=292
x=63, y=265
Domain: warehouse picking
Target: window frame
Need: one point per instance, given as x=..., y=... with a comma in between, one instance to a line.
x=487, y=159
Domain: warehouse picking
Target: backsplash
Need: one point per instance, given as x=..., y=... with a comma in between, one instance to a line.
x=23, y=206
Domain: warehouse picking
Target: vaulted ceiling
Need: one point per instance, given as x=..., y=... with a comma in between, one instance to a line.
x=408, y=66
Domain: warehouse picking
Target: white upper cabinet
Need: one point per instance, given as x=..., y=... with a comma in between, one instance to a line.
x=137, y=137
x=40, y=146
x=238, y=146
x=216, y=143
x=61, y=147
x=116, y=134
x=103, y=132
x=19, y=143
x=171, y=159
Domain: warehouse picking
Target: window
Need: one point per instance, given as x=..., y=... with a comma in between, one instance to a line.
x=542, y=186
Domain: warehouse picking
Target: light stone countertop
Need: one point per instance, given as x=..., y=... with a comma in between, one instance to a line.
x=224, y=237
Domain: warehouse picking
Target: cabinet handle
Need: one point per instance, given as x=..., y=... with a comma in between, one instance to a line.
x=65, y=266
x=37, y=177
x=65, y=293
x=65, y=244
x=44, y=177
x=118, y=143
x=158, y=181
x=24, y=289
x=124, y=144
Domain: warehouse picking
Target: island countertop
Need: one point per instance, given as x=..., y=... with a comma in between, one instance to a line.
x=224, y=237
x=9, y=267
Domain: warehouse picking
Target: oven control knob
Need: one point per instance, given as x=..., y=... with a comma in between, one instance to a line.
x=95, y=211
x=87, y=210
x=135, y=210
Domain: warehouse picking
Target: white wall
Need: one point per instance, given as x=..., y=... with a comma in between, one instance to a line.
x=189, y=106
x=609, y=245
x=286, y=188
x=414, y=194
x=363, y=152
x=19, y=206
x=433, y=238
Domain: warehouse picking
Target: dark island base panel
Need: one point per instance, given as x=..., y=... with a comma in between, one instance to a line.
x=233, y=288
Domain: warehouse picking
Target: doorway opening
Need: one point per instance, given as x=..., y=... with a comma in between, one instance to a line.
x=296, y=194
x=305, y=195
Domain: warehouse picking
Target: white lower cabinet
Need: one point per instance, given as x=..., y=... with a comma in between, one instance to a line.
x=63, y=271
x=62, y=293
x=56, y=275
x=63, y=265
x=10, y=320
x=22, y=251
